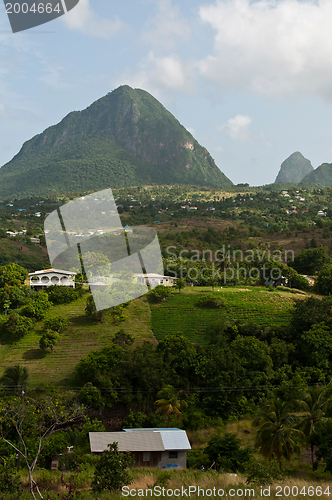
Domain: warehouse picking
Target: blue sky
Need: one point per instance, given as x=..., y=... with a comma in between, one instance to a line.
x=252, y=81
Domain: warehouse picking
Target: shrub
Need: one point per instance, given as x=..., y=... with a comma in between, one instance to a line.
x=9, y=480
x=110, y=472
x=37, y=306
x=62, y=294
x=91, y=396
x=123, y=338
x=210, y=302
x=226, y=453
x=48, y=340
x=57, y=324
x=18, y=326
x=159, y=294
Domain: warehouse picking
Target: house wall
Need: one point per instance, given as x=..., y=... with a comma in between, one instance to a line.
x=155, y=458
x=180, y=461
x=46, y=280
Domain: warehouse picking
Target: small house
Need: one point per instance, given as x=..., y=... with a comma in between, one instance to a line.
x=165, y=448
x=155, y=280
x=39, y=280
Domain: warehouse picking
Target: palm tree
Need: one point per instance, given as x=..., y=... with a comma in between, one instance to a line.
x=169, y=402
x=15, y=378
x=276, y=433
x=313, y=406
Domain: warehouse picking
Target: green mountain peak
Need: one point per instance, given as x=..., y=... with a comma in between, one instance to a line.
x=126, y=138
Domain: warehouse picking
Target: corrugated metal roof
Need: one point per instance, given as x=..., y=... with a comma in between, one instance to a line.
x=127, y=441
x=141, y=440
x=153, y=429
x=175, y=440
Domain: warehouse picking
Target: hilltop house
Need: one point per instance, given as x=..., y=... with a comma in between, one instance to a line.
x=165, y=448
x=155, y=279
x=45, y=278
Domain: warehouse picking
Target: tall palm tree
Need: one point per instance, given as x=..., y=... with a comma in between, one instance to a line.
x=15, y=378
x=169, y=403
x=276, y=433
x=312, y=407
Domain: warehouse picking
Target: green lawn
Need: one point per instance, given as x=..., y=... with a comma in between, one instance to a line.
x=82, y=336
x=180, y=314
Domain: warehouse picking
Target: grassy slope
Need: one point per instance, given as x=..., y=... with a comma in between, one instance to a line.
x=246, y=304
x=177, y=314
x=82, y=336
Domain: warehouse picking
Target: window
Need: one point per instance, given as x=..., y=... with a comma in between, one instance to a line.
x=173, y=454
x=146, y=456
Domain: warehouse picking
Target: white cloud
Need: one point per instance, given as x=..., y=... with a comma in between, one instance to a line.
x=161, y=74
x=166, y=27
x=281, y=48
x=83, y=18
x=237, y=127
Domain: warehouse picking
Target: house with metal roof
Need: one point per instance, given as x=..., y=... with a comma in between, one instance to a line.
x=165, y=448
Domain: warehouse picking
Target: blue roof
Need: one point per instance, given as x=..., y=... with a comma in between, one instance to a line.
x=153, y=429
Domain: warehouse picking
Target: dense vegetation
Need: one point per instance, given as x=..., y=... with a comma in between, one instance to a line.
x=207, y=358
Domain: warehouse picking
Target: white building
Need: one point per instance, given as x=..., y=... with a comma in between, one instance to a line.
x=45, y=278
x=165, y=448
x=154, y=280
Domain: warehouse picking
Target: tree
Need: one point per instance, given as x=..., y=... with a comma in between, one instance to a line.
x=123, y=339
x=37, y=306
x=179, y=284
x=169, y=403
x=35, y=422
x=49, y=339
x=12, y=275
x=323, y=283
x=15, y=378
x=310, y=261
x=226, y=452
x=276, y=433
x=17, y=326
x=110, y=472
x=313, y=405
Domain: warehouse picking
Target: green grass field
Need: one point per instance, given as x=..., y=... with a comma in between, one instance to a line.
x=82, y=336
x=144, y=322
x=257, y=305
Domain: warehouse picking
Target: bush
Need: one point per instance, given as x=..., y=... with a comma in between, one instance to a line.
x=9, y=480
x=210, y=302
x=37, y=306
x=91, y=396
x=110, y=472
x=134, y=420
x=123, y=338
x=226, y=453
x=159, y=294
x=48, y=340
x=62, y=294
x=197, y=458
x=17, y=326
x=258, y=473
x=57, y=324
